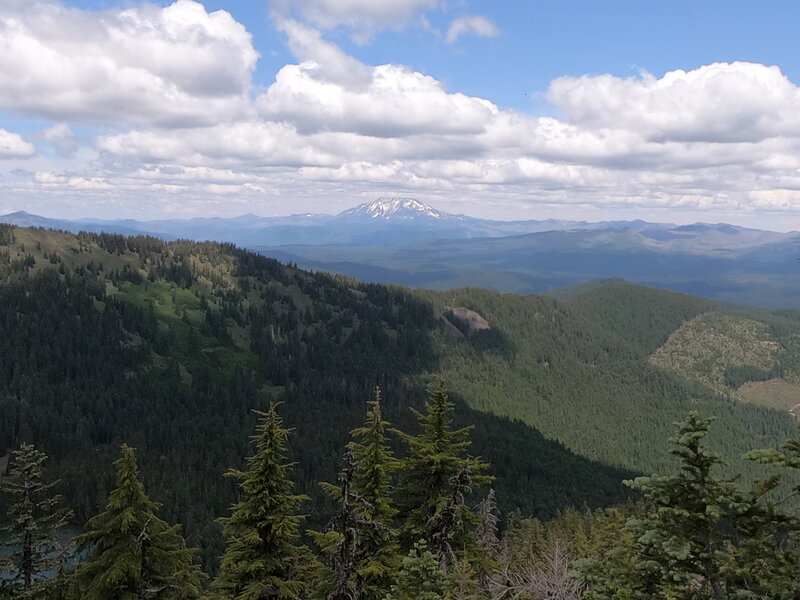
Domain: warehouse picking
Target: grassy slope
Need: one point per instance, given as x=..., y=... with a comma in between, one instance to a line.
x=763, y=345
x=774, y=393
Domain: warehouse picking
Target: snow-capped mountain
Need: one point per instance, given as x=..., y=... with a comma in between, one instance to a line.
x=396, y=209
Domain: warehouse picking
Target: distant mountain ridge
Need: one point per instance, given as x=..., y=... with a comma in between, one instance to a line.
x=744, y=266
x=408, y=218
x=405, y=241
x=387, y=220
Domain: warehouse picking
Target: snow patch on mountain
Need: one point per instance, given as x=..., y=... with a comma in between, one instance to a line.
x=397, y=209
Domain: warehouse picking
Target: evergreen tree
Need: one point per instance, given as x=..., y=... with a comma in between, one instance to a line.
x=420, y=577
x=263, y=559
x=437, y=476
x=770, y=552
x=341, y=540
x=486, y=538
x=361, y=540
x=788, y=456
x=699, y=536
x=764, y=555
x=35, y=521
x=375, y=465
x=678, y=544
x=131, y=553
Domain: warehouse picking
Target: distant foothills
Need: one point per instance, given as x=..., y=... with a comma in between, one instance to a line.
x=387, y=220
x=384, y=221
x=407, y=242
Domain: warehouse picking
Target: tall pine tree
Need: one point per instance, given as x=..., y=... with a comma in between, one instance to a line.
x=131, y=554
x=375, y=467
x=35, y=521
x=341, y=541
x=437, y=476
x=264, y=559
x=361, y=540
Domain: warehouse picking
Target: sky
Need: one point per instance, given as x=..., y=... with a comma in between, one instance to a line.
x=677, y=111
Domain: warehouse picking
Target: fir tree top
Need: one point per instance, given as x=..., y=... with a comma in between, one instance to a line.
x=131, y=552
x=375, y=463
x=263, y=558
x=439, y=449
x=438, y=475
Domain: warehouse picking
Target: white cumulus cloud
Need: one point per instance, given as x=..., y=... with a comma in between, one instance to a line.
x=332, y=91
x=391, y=126
x=720, y=102
x=471, y=24
x=394, y=102
x=62, y=138
x=172, y=66
x=13, y=146
x=327, y=60
x=250, y=145
x=366, y=16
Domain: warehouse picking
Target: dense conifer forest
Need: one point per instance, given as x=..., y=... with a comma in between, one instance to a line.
x=409, y=527
x=141, y=369
x=169, y=347
x=580, y=372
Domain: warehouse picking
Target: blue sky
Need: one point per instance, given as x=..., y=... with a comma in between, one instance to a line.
x=670, y=111
x=542, y=40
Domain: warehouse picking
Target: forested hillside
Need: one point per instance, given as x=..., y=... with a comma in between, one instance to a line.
x=168, y=347
x=580, y=372
x=644, y=316
x=730, y=264
x=745, y=354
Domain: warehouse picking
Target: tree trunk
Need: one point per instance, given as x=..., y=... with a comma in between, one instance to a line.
x=27, y=561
